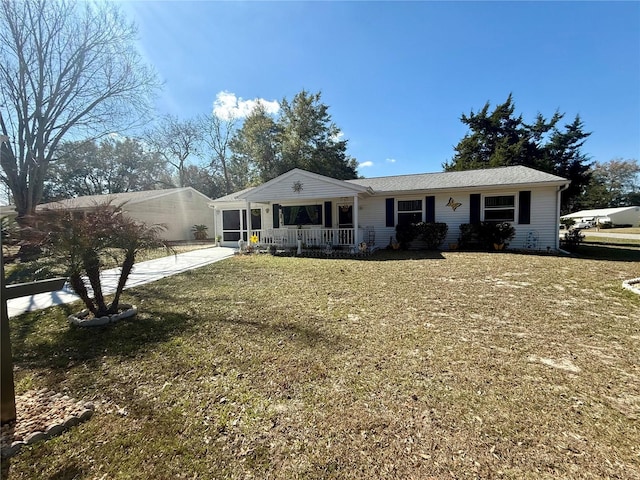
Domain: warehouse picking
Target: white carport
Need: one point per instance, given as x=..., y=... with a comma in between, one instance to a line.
x=617, y=215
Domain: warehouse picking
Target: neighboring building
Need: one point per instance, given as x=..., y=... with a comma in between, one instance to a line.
x=614, y=216
x=178, y=209
x=319, y=210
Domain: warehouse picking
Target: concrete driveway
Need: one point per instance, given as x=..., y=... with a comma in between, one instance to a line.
x=143, y=272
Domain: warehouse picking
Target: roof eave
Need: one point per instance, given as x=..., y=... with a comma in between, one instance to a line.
x=557, y=183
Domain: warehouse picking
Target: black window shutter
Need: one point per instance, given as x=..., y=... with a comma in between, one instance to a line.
x=524, y=207
x=328, y=221
x=430, y=203
x=474, y=208
x=390, y=213
x=276, y=215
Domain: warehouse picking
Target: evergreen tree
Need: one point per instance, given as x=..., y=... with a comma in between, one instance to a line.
x=308, y=139
x=499, y=138
x=255, y=149
x=302, y=136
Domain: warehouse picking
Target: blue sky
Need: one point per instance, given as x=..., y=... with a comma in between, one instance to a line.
x=398, y=75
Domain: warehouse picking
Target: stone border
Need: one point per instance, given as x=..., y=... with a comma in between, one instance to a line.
x=81, y=320
x=631, y=285
x=51, y=431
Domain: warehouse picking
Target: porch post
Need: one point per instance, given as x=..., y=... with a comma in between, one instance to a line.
x=248, y=222
x=356, y=240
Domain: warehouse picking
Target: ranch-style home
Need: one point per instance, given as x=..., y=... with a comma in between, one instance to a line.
x=300, y=205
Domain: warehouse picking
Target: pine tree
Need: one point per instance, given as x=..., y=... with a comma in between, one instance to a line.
x=499, y=138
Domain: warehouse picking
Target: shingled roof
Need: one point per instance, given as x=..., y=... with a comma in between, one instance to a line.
x=90, y=201
x=490, y=177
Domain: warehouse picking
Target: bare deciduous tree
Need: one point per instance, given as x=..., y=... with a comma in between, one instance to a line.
x=175, y=140
x=67, y=68
x=217, y=137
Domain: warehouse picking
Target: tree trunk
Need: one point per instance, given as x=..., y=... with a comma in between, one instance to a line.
x=127, y=266
x=92, y=267
x=75, y=280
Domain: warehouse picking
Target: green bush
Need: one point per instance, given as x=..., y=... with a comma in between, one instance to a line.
x=496, y=233
x=572, y=239
x=432, y=233
x=485, y=234
x=469, y=238
x=405, y=234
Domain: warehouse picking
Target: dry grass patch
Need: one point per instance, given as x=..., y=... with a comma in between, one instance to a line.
x=453, y=365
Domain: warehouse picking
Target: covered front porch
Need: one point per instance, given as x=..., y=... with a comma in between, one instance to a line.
x=297, y=208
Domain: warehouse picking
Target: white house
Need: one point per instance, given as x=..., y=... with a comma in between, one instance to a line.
x=319, y=210
x=178, y=209
x=615, y=216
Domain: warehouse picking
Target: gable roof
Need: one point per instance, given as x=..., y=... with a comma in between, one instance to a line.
x=488, y=177
x=314, y=182
x=130, y=198
x=600, y=212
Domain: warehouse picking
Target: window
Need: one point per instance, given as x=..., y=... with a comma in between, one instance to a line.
x=409, y=211
x=499, y=208
x=302, y=215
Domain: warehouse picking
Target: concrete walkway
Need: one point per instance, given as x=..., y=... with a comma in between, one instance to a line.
x=143, y=272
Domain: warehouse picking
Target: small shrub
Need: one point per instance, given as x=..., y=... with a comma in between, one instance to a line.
x=492, y=233
x=469, y=238
x=405, y=234
x=572, y=239
x=432, y=233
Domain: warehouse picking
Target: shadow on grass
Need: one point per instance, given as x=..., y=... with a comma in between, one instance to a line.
x=612, y=253
x=394, y=255
x=44, y=338
x=292, y=332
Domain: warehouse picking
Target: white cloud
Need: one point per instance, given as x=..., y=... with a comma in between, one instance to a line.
x=390, y=160
x=227, y=106
x=366, y=164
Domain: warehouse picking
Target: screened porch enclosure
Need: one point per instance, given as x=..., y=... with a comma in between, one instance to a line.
x=284, y=225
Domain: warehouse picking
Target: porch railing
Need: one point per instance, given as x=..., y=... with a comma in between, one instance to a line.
x=284, y=237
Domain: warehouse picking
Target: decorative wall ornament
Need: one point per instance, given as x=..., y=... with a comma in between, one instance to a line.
x=453, y=204
x=297, y=186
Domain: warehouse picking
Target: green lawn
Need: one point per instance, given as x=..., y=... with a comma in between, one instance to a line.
x=441, y=365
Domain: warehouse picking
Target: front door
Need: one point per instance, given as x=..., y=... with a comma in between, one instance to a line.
x=345, y=216
x=345, y=223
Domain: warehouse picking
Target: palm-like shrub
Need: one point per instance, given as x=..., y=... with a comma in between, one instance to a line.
x=83, y=242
